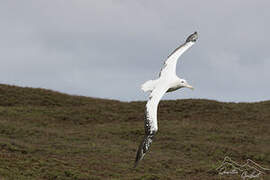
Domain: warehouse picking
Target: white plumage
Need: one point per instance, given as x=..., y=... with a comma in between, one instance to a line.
x=168, y=81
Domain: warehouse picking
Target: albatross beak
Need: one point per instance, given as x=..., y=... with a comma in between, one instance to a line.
x=190, y=87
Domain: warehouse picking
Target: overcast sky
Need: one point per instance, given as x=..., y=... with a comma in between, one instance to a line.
x=108, y=48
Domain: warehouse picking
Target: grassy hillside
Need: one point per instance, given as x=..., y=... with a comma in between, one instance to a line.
x=49, y=135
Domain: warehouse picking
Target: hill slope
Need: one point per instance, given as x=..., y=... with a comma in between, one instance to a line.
x=49, y=135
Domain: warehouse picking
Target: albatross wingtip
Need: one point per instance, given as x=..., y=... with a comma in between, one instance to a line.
x=193, y=37
x=139, y=155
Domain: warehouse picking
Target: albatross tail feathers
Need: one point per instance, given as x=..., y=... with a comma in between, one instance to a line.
x=148, y=85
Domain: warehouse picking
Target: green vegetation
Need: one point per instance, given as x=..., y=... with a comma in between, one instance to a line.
x=49, y=135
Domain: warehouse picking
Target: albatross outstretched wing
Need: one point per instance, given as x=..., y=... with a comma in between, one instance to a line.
x=169, y=67
x=150, y=123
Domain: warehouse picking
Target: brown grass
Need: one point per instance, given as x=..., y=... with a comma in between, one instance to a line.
x=50, y=135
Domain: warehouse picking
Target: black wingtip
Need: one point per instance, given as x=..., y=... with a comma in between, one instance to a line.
x=139, y=155
x=193, y=37
x=144, y=146
x=138, y=160
x=135, y=165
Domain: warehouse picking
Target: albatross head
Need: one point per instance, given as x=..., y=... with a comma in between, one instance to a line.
x=193, y=37
x=183, y=83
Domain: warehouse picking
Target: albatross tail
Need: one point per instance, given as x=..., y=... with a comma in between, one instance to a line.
x=148, y=85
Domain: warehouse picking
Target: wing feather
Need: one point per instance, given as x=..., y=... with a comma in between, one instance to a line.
x=169, y=67
x=152, y=106
x=150, y=122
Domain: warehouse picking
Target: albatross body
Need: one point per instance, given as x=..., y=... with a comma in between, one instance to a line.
x=168, y=81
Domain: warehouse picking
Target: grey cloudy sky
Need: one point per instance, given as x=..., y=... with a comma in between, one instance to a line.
x=108, y=48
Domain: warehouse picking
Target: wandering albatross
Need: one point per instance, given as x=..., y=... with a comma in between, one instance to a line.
x=168, y=81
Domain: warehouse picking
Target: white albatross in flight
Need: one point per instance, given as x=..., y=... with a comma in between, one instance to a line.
x=168, y=81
